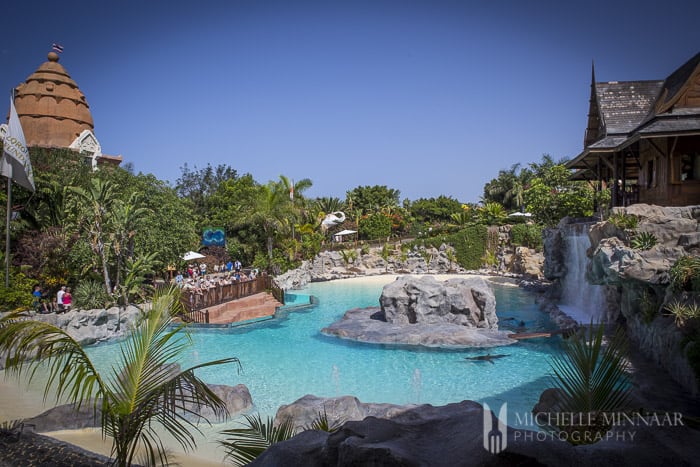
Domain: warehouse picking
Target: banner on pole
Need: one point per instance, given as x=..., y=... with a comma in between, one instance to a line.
x=15, y=159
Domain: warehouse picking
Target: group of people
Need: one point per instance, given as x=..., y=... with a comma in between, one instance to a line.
x=195, y=271
x=197, y=280
x=44, y=304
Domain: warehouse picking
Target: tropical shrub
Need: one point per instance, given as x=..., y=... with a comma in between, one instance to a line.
x=624, y=221
x=18, y=296
x=592, y=379
x=492, y=213
x=643, y=241
x=683, y=312
x=490, y=260
x=375, y=226
x=349, y=256
x=470, y=245
x=89, y=295
x=685, y=274
x=528, y=235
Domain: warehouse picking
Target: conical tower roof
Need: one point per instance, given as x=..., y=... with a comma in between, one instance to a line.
x=52, y=109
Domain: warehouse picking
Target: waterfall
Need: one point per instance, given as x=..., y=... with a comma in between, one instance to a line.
x=580, y=300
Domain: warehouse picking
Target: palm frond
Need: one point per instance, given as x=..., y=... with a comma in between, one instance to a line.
x=149, y=390
x=322, y=423
x=32, y=346
x=244, y=445
x=591, y=376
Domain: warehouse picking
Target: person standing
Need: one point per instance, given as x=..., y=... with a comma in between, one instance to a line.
x=67, y=300
x=59, y=299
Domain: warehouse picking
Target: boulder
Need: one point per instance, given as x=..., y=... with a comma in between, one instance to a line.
x=453, y=435
x=468, y=302
x=237, y=399
x=338, y=410
x=527, y=263
x=68, y=417
x=92, y=326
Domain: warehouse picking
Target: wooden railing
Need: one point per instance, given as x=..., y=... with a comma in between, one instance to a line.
x=194, y=301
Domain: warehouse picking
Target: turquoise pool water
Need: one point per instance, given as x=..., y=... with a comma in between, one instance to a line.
x=286, y=358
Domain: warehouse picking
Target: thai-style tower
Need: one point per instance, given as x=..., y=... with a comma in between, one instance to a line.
x=55, y=114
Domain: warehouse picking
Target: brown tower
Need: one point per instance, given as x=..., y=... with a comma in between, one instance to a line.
x=52, y=109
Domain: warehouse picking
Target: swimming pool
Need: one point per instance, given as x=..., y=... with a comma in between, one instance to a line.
x=286, y=358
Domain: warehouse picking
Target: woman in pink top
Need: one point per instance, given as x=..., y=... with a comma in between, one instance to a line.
x=67, y=300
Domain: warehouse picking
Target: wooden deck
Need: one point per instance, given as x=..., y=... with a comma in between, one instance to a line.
x=533, y=335
x=254, y=306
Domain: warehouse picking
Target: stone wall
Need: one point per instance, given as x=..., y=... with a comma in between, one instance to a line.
x=329, y=265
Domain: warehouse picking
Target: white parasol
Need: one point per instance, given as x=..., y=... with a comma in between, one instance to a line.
x=190, y=255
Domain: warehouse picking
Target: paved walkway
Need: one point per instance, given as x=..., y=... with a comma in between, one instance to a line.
x=251, y=307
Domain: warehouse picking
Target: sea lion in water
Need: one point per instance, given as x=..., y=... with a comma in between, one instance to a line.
x=486, y=358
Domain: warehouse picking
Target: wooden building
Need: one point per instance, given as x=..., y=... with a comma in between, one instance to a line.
x=643, y=139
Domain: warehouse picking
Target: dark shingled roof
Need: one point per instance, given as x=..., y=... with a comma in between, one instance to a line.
x=672, y=125
x=625, y=104
x=608, y=142
x=678, y=78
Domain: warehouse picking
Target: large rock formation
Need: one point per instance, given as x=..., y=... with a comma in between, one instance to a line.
x=330, y=265
x=453, y=435
x=92, y=326
x=89, y=327
x=466, y=301
x=457, y=313
x=366, y=325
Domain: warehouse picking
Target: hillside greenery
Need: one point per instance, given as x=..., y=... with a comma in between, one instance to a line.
x=118, y=230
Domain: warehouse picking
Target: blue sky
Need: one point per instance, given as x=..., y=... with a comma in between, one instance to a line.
x=427, y=97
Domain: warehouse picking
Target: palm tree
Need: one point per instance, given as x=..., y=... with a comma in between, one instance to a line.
x=145, y=392
x=126, y=219
x=270, y=211
x=98, y=201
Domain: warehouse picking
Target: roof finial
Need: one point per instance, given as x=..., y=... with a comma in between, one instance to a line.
x=53, y=57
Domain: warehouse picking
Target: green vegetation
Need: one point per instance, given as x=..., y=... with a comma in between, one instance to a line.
x=146, y=392
x=593, y=380
x=243, y=445
x=683, y=312
x=543, y=189
x=528, y=235
x=685, y=274
x=644, y=241
x=624, y=221
x=375, y=226
x=470, y=246
x=90, y=295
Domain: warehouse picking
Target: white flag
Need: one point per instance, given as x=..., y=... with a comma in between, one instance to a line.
x=15, y=158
